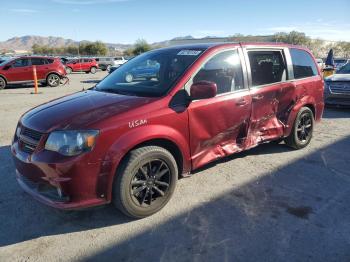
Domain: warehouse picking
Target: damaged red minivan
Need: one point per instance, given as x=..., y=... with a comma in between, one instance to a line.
x=127, y=141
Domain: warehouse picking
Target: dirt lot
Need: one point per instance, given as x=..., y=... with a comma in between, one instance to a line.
x=268, y=204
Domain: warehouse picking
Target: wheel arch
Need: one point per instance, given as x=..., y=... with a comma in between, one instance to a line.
x=2, y=76
x=175, y=144
x=52, y=72
x=306, y=101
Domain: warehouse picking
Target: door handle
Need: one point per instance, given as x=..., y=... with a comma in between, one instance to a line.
x=257, y=97
x=241, y=102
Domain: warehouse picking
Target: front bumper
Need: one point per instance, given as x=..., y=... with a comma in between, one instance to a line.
x=67, y=183
x=339, y=100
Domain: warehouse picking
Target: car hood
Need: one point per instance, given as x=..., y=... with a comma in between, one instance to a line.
x=80, y=110
x=338, y=77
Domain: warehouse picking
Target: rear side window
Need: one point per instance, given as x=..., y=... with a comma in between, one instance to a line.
x=49, y=61
x=38, y=61
x=225, y=70
x=303, y=64
x=267, y=67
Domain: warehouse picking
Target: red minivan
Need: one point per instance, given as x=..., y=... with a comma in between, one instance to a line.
x=128, y=142
x=20, y=70
x=87, y=65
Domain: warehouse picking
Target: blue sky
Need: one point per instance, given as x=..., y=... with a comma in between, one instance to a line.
x=124, y=21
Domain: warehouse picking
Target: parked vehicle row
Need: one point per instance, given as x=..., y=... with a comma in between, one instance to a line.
x=19, y=70
x=127, y=140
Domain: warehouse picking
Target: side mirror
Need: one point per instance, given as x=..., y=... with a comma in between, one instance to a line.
x=203, y=90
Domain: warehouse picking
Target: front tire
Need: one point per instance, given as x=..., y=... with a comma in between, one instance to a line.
x=69, y=70
x=302, y=130
x=2, y=83
x=145, y=181
x=53, y=80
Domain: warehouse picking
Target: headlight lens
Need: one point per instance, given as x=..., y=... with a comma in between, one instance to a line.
x=71, y=143
x=18, y=131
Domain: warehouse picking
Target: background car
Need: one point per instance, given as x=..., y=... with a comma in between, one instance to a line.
x=20, y=71
x=105, y=63
x=87, y=65
x=148, y=70
x=337, y=87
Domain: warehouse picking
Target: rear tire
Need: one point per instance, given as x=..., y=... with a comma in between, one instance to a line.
x=93, y=70
x=145, y=181
x=69, y=70
x=53, y=80
x=2, y=83
x=302, y=130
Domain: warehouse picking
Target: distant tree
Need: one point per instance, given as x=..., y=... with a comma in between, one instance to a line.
x=128, y=52
x=141, y=46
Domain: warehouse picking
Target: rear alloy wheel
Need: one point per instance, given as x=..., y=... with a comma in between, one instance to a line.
x=2, y=83
x=68, y=70
x=93, y=70
x=53, y=80
x=129, y=77
x=302, y=131
x=146, y=181
x=108, y=68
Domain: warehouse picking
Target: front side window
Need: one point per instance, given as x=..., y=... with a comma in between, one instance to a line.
x=20, y=62
x=150, y=74
x=267, y=67
x=303, y=64
x=225, y=70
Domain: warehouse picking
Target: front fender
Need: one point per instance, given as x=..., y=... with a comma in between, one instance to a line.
x=140, y=135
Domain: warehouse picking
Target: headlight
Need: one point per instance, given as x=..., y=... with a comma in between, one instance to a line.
x=18, y=131
x=71, y=143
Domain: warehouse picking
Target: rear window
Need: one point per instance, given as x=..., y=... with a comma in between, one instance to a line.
x=303, y=64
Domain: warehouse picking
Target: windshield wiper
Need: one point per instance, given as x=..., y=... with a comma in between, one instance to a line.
x=115, y=91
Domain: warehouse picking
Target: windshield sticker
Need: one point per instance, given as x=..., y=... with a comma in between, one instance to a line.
x=189, y=52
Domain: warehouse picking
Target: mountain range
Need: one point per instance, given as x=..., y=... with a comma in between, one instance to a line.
x=25, y=43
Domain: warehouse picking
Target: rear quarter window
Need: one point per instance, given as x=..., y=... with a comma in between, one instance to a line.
x=303, y=64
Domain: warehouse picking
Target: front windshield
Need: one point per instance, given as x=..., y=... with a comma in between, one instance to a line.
x=4, y=61
x=150, y=74
x=344, y=69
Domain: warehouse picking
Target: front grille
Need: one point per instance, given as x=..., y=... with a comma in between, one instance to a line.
x=342, y=88
x=29, y=140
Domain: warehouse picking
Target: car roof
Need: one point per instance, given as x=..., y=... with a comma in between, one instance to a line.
x=215, y=45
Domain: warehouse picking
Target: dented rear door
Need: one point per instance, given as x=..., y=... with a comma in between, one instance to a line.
x=272, y=94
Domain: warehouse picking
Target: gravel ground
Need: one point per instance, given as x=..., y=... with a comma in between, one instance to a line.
x=267, y=204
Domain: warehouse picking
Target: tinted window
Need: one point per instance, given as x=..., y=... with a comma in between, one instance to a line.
x=267, y=67
x=303, y=64
x=38, y=61
x=87, y=60
x=50, y=61
x=20, y=62
x=150, y=74
x=225, y=70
